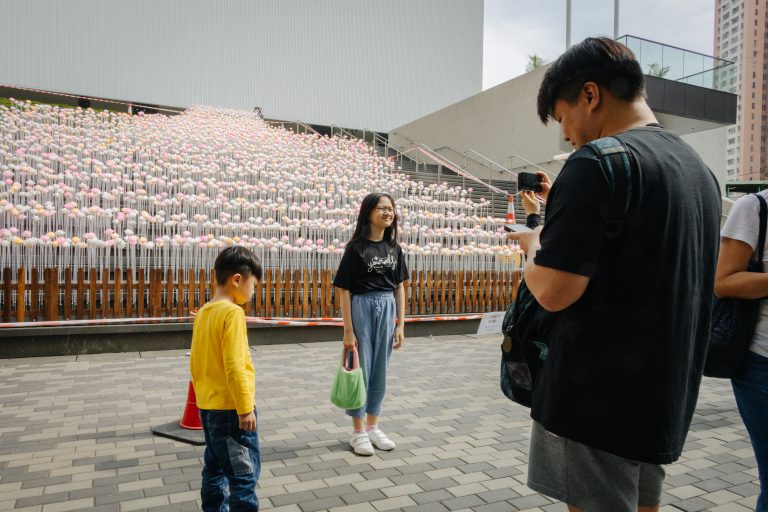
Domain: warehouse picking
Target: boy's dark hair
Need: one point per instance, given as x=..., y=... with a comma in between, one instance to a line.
x=236, y=260
x=601, y=60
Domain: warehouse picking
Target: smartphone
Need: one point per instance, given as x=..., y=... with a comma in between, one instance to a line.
x=529, y=181
x=517, y=228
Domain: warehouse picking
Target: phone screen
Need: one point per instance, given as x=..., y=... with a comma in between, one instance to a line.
x=517, y=228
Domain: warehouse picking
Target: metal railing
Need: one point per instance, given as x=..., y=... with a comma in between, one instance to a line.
x=335, y=130
x=528, y=162
x=491, y=162
x=295, y=126
x=445, y=162
x=678, y=64
x=468, y=156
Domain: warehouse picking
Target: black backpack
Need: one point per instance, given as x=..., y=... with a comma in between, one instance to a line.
x=527, y=326
x=734, y=320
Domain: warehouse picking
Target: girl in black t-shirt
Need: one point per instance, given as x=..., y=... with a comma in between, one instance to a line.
x=370, y=282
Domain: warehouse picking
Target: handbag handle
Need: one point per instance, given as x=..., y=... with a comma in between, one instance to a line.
x=355, y=361
x=757, y=265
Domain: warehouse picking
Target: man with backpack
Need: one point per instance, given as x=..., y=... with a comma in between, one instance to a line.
x=627, y=261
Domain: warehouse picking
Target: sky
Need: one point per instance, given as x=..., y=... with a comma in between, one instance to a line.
x=515, y=29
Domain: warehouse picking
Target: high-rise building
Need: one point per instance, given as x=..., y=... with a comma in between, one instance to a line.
x=740, y=36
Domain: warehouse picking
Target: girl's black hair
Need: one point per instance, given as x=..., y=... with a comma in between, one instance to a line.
x=363, y=226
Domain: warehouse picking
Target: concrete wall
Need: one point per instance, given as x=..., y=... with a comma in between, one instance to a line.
x=70, y=340
x=355, y=64
x=499, y=122
x=711, y=145
x=502, y=121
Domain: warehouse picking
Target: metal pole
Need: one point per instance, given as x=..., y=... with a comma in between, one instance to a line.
x=615, y=19
x=490, y=185
x=567, y=24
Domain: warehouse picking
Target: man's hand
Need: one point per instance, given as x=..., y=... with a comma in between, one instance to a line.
x=247, y=421
x=546, y=185
x=530, y=202
x=399, y=336
x=528, y=240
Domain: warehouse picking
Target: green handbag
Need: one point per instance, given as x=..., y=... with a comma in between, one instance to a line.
x=348, y=389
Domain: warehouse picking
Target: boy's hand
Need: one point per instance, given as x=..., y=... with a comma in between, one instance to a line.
x=247, y=421
x=399, y=336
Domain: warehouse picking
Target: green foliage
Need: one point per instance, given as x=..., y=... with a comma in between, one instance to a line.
x=657, y=70
x=534, y=62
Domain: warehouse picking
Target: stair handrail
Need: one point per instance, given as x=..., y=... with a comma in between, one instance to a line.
x=453, y=166
x=472, y=151
x=537, y=166
x=490, y=161
x=333, y=128
x=283, y=124
x=307, y=127
x=431, y=153
x=379, y=138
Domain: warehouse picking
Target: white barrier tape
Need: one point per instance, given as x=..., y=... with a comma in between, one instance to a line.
x=302, y=322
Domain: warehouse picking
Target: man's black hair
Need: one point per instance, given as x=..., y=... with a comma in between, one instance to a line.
x=608, y=63
x=236, y=260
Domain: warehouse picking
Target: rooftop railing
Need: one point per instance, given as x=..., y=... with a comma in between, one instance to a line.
x=673, y=63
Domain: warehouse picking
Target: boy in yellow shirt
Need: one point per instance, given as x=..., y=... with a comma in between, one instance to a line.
x=223, y=378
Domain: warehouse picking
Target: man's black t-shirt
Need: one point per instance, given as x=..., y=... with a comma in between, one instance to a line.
x=625, y=361
x=371, y=266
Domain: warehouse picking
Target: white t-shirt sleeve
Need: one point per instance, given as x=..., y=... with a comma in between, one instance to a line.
x=743, y=221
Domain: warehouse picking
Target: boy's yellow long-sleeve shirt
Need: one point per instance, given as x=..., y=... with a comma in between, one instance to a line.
x=220, y=361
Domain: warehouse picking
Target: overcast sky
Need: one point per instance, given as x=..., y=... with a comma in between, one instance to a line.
x=516, y=28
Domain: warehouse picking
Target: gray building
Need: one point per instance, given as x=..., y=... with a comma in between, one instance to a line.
x=351, y=63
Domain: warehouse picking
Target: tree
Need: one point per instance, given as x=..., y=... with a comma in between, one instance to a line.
x=658, y=71
x=534, y=62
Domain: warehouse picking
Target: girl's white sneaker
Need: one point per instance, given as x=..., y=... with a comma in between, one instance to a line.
x=361, y=444
x=380, y=440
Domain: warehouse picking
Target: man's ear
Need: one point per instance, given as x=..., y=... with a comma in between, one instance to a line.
x=591, y=94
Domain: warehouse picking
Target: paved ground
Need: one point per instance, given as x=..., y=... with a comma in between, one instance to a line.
x=74, y=435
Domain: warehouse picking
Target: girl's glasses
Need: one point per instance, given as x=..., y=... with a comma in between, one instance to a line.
x=384, y=209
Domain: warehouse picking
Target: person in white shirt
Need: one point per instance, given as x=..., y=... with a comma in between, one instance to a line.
x=738, y=243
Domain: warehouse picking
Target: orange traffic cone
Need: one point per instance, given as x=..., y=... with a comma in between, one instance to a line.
x=191, y=418
x=510, y=219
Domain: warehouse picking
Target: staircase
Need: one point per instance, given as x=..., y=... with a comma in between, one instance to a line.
x=433, y=173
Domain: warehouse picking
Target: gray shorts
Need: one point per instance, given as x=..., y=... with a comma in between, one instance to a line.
x=590, y=479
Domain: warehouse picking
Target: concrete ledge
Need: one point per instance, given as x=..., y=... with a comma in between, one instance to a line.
x=67, y=341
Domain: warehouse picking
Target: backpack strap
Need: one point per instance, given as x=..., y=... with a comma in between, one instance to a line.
x=616, y=163
x=761, y=236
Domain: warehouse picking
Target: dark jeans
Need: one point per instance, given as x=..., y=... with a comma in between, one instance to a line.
x=232, y=464
x=751, y=391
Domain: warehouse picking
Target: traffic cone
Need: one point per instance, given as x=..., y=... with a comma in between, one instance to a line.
x=191, y=418
x=510, y=219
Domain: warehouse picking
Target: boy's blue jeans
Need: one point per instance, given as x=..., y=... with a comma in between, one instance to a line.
x=751, y=391
x=232, y=464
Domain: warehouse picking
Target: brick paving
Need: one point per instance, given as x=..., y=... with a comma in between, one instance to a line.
x=75, y=435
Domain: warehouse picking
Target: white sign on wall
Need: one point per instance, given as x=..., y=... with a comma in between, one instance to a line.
x=491, y=323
